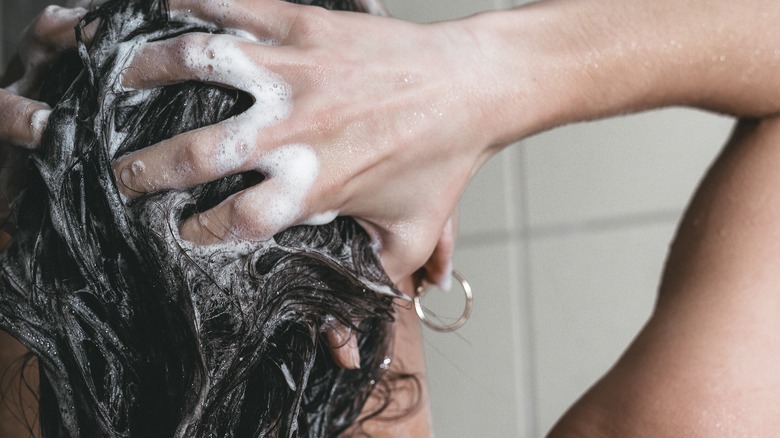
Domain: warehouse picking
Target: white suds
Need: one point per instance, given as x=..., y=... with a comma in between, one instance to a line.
x=290, y=171
x=39, y=119
x=322, y=218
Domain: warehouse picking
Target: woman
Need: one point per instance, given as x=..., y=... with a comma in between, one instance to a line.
x=705, y=363
x=137, y=332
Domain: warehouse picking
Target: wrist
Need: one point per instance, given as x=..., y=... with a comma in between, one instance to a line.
x=563, y=61
x=553, y=66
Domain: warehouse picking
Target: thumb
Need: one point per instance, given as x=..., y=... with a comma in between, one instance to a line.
x=22, y=120
x=404, y=250
x=438, y=268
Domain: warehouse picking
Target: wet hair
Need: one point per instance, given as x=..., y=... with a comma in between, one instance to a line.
x=139, y=333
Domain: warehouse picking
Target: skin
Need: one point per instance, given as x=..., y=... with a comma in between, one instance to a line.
x=398, y=142
x=705, y=365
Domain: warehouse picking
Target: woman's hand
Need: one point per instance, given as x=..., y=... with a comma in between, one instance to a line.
x=23, y=119
x=355, y=115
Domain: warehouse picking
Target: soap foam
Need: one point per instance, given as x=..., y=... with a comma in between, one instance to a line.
x=290, y=170
x=277, y=203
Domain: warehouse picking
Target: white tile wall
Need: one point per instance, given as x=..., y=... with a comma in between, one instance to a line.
x=475, y=373
x=437, y=10
x=486, y=212
x=624, y=167
x=592, y=292
x=603, y=200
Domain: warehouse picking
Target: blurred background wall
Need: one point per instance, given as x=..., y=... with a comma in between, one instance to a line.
x=15, y=15
x=562, y=237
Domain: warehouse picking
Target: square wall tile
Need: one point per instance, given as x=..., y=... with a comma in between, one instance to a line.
x=619, y=167
x=590, y=293
x=479, y=377
x=487, y=207
x=437, y=10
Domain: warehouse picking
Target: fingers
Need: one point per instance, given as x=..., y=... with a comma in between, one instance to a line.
x=207, y=154
x=343, y=346
x=55, y=27
x=52, y=32
x=221, y=59
x=403, y=249
x=259, y=212
x=22, y=120
x=186, y=160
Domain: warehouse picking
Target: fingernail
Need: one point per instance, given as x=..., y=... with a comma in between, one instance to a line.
x=199, y=231
x=39, y=120
x=126, y=177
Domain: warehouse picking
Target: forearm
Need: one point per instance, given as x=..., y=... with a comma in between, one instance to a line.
x=563, y=61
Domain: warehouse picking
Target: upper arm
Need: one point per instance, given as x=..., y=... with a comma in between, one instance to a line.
x=706, y=363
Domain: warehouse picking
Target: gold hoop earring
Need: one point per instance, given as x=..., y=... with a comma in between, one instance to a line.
x=421, y=290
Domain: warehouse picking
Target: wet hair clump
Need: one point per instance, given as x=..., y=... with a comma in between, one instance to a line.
x=139, y=333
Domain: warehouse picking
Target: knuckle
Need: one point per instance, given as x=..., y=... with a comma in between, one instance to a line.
x=177, y=49
x=257, y=213
x=191, y=51
x=196, y=157
x=247, y=222
x=310, y=22
x=51, y=14
x=53, y=29
x=52, y=20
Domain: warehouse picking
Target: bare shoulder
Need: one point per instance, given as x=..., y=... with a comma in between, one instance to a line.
x=706, y=362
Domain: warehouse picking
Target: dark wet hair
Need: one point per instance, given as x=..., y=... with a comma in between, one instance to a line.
x=138, y=333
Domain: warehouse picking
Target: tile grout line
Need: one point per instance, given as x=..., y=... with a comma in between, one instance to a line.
x=483, y=238
x=521, y=297
x=606, y=224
